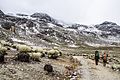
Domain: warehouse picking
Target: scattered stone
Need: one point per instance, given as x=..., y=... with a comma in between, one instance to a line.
x=116, y=67
x=12, y=71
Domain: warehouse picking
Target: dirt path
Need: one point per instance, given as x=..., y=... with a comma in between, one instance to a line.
x=89, y=71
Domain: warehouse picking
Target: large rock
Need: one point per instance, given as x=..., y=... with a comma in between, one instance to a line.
x=48, y=68
x=23, y=57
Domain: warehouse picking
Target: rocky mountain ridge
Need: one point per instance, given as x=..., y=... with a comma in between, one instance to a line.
x=43, y=30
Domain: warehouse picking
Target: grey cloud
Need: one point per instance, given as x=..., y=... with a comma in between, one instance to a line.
x=75, y=11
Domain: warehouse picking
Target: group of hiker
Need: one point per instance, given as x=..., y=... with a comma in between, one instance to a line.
x=103, y=57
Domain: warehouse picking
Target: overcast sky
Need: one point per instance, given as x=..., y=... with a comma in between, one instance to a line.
x=73, y=11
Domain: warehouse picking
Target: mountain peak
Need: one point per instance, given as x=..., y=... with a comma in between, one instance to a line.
x=1, y=13
x=44, y=17
x=39, y=15
x=108, y=23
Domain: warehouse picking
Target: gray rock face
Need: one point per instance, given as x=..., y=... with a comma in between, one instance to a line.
x=45, y=18
x=1, y=13
x=42, y=16
x=111, y=27
x=7, y=25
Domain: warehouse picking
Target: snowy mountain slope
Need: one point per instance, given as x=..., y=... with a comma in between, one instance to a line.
x=105, y=33
x=43, y=30
x=40, y=30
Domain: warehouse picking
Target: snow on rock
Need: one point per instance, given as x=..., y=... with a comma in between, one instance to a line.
x=81, y=28
x=55, y=44
x=71, y=30
x=16, y=40
x=35, y=30
x=95, y=45
x=50, y=25
x=99, y=45
x=72, y=45
x=89, y=29
x=111, y=39
x=93, y=29
x=22, y=26
x=21, y=16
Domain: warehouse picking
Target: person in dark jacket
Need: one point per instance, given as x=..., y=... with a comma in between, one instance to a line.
x=97, y=57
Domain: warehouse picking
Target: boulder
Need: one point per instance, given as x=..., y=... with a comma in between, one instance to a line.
x=48, y=68
x=1, y=57
x=23, y=57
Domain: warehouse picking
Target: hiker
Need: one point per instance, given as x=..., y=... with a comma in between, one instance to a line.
x=104, y=57
x=97, y=57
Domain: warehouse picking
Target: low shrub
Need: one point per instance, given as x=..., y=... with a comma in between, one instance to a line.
x=3, y=50
x=37, y=49
x=54, y=54
x=23, y=48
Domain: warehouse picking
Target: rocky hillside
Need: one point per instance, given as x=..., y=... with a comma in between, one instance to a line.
x=105, y=34
x=43, y=30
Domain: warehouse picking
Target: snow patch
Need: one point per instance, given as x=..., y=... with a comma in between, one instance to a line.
x=26, y=42
x=16, y=40
x=35, y=30
x=72, y=30
x=98, y=45
x=111, y=39
x=95, y=45
x=51, y=25
x=55, y=44
x=72, y=45
x=89, y=29
x=81, y=28
x=27, y=16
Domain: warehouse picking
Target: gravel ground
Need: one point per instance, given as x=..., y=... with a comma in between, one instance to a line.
x=89, y=71
x=86, y=70
x=15, y=70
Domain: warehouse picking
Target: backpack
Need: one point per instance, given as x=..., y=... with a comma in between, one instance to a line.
x=97, y=54
x=105, y=57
